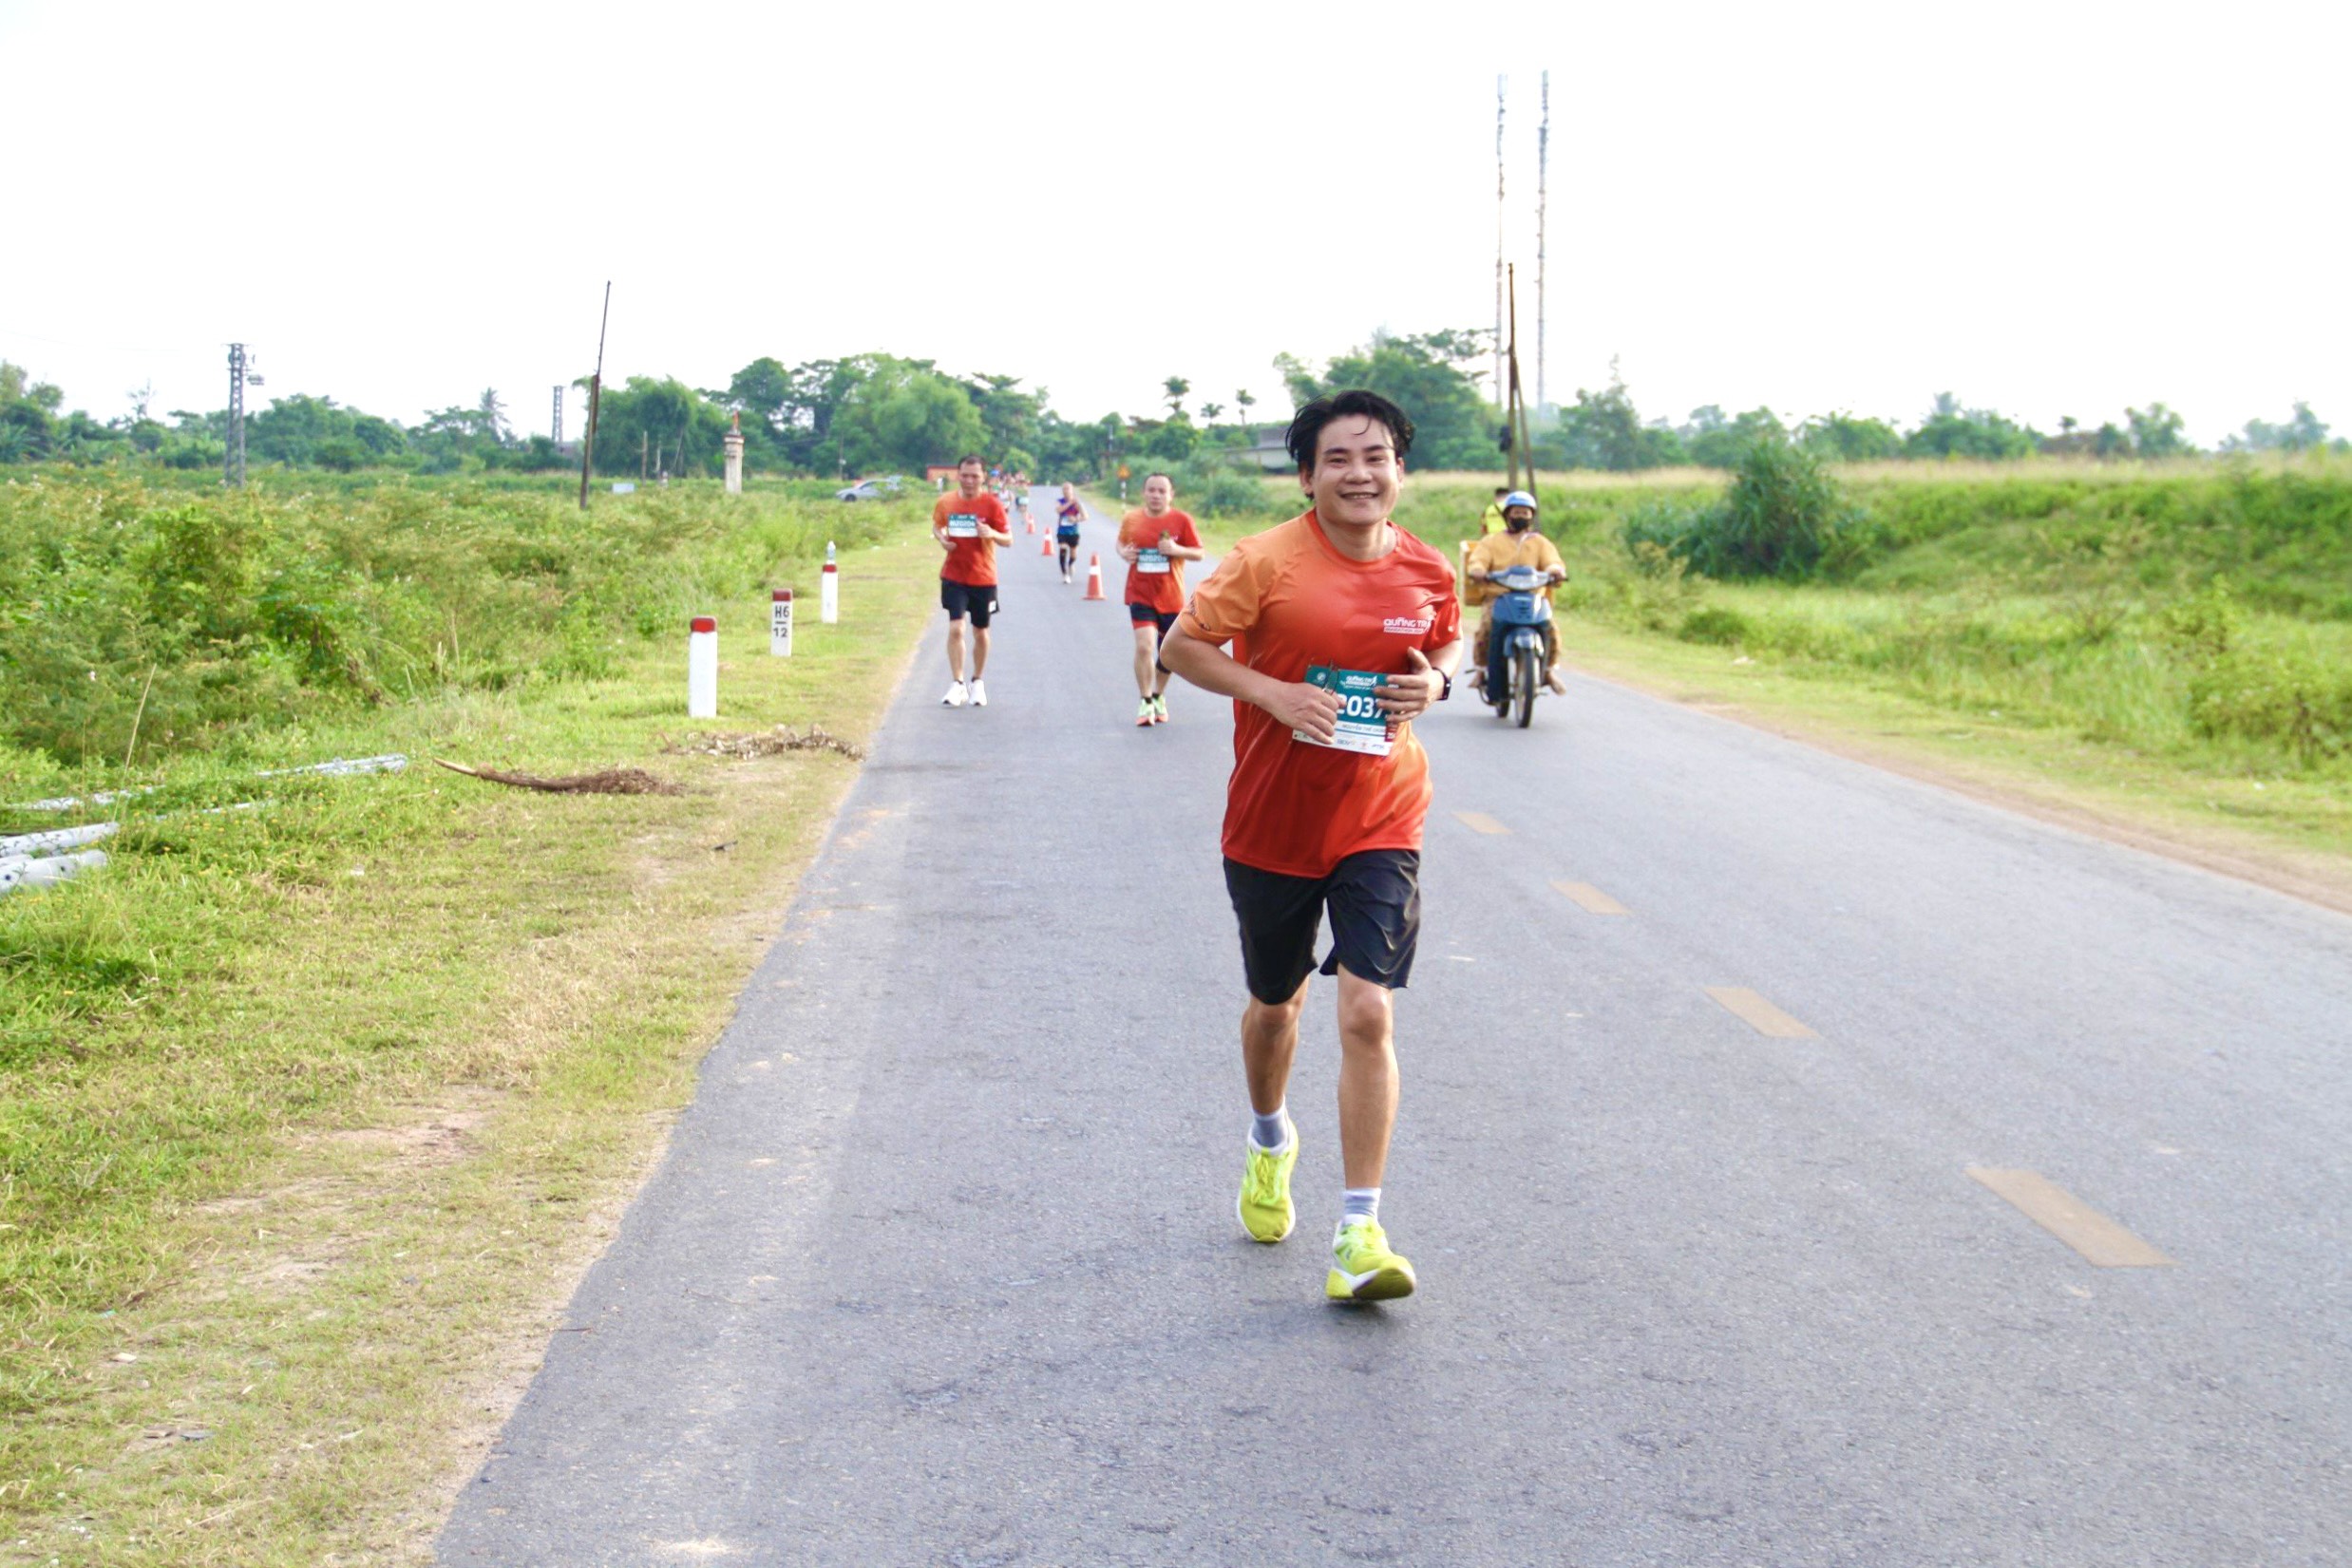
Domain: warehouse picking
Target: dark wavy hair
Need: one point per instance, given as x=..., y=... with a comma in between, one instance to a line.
x=1306, y=425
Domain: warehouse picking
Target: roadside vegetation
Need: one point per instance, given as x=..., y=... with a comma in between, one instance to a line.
x=315, y=1098
x=2175, y=637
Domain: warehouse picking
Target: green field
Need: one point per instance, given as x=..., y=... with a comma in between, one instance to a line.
x=311, y=1113
x=2165, y=643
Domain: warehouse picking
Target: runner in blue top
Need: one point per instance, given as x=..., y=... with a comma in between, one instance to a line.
x=1067, y=516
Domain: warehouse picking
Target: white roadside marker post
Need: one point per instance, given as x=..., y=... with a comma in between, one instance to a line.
x=780, y=624
x=829, y=592
x=702, y=669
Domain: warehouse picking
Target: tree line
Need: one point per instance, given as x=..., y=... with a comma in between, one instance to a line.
x=879, y=412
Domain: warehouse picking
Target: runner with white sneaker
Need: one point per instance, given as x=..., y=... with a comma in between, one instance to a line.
x=1155, y=543
x=1068, y=513
x=969, y=526
x=1345, y=628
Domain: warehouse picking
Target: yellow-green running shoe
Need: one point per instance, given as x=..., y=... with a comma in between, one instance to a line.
x=1363, y=1268
x=1265, y=1203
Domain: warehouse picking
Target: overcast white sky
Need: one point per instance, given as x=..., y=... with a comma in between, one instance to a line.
x=2051, y=209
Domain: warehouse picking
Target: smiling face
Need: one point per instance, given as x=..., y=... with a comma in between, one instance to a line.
x=1356, y=472
x=1159, y=494
x=968, y=479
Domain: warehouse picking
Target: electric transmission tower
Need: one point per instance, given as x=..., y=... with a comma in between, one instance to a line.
x=233, y=461
x=1499, y=83
x=1542, y=181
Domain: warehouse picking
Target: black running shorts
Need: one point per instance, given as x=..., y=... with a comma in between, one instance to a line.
x=961, y=599
x=1374, y=901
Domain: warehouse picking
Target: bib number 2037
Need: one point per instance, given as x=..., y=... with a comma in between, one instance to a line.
x=1361, y=726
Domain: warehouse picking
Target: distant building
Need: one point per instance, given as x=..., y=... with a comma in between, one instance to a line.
x=938, y=474
x=1270, y=452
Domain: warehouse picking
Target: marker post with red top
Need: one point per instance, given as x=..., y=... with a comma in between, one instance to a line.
x=780, y=624
x=702, y=669
x=830, y=590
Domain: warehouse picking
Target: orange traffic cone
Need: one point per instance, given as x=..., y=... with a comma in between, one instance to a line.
x=1033, y=525
x=1095, y=576
x=1045, y=547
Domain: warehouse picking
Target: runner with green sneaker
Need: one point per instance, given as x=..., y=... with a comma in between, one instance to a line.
x=1345, y=628
x=1155, y=543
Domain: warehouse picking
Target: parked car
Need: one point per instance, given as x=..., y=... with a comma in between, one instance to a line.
x=871, y=489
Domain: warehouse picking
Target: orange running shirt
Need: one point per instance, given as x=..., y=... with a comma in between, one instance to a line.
x=970, y=559
x=1286, y=599
x=1163, y=591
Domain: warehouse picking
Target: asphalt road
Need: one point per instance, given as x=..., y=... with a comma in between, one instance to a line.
x=943, y=1266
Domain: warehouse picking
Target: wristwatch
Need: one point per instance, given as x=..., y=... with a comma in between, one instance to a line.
x=1445, y=689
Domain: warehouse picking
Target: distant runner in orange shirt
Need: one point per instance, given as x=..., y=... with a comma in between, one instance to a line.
x=969, y=526
x=1155, y=543
x=1345, y=628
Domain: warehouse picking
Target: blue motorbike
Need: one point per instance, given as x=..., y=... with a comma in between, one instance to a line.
x=1515, y=623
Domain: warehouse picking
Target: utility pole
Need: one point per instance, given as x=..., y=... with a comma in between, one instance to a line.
x=596, y=398
x=1521, y=446
x=233, y=461
x=555, y=426
x=1499, y=83
x=1543, y=184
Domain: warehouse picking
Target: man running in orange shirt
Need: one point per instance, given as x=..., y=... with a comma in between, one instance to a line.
x=969, y=526
x=1155, y=543
x=1345, y=628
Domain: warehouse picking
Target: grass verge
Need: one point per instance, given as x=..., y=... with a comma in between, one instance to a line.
x=297, y=1183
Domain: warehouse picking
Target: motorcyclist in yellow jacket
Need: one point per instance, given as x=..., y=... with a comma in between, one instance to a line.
x=1519, y=544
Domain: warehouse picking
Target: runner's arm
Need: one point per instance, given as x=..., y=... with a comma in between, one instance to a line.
x=1312, y=708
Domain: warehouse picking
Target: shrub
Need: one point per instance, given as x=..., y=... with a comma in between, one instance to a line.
x=2202, y=628
x=2292, y=701
x=1781, y=516
x=1210, y=489
x=1715, y=625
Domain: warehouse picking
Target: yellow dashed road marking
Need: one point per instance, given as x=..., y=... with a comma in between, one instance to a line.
x=1478, y=821
x=1591, y=900
x=2098, y=1239
x=1759, y=1014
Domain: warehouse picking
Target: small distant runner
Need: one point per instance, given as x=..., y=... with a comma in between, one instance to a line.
x=1345, y=630
x=1067, y=516
x=969, y=526
x=1155, y=543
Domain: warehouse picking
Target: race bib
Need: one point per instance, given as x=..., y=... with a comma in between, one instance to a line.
x=1362, y=726
x=1151, y=560
x=962, y=525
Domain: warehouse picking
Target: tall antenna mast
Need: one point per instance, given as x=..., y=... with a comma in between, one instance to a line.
x=1499, y=82
x=233, y=458
x=1542, y=181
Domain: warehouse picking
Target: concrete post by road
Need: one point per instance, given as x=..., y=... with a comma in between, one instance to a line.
x=780, y=624
x=829, y=590
x=733, y=442
x=702, y=669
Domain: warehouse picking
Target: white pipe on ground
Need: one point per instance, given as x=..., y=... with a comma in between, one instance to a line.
x=20, y=871
x=31, y=845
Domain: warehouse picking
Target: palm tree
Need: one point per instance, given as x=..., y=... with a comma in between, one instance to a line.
x=1177, y=386
x=1242, y=400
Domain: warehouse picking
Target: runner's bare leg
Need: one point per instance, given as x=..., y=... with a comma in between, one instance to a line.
x=1368, y=1079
